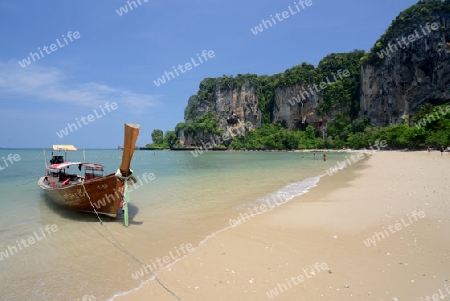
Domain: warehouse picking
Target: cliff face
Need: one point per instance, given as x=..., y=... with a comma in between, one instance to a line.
x=234, y=107
x=237, y=106
x=409, y=77
x=295, y=107
x=409, y=66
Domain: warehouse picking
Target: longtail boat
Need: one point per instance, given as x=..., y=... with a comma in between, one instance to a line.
x=90, y=190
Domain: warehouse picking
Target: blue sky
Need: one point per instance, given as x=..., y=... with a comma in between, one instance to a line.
x=117, y=58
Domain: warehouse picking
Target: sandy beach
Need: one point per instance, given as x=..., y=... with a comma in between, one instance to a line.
x=378, y=230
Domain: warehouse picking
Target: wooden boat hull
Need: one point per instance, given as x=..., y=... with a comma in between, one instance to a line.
x=105, y=194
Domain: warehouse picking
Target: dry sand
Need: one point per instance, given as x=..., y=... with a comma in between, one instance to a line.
x=328, y=226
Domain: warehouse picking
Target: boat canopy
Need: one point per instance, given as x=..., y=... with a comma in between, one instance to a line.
x=92, y=166
x=59, y=166
x=59, y=147
x=87, y=166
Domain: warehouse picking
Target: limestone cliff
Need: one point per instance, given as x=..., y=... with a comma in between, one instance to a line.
x=295, y=112
x=292, y=98
x=408, y=76
x=238, y=105
x=234, y=106
x=409, y=66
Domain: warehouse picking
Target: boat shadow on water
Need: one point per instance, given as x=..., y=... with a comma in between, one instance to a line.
x=89, y=217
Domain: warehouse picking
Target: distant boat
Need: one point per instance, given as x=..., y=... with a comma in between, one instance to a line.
x=90, y=189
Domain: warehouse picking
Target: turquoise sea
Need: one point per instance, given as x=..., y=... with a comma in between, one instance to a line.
x=69, y=255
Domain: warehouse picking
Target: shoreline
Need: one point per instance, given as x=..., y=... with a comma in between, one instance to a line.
x=329, y=225
x=325, y=150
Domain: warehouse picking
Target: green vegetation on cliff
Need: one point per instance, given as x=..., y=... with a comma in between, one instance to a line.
x=160, y=140
x=341, y=98
x=339, y=103
x=418, y=131
x=271, y=137
x=207, y=124
x=405, y=24
x=429, y=127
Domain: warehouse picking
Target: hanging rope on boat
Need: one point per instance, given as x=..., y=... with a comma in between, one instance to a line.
x=90, y=201
x=125, y=250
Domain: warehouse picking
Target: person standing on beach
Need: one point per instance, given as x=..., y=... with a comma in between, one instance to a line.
x=314, y=156
x=428, y=149
x=324, y=157
x=442, y=150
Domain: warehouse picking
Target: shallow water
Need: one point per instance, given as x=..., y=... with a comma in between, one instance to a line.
x=189, y=199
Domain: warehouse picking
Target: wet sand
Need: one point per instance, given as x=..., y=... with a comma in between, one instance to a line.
x=316, y=246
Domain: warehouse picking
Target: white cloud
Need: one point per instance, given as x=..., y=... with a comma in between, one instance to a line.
x=53, y=85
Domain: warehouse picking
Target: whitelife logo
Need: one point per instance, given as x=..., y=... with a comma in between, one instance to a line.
x=296, y=280
x=150, y=269
x=355, y=158
x=108, y=198
x=277, y=199
x=300, y=98
x=372, y=241
x=71, y=36
x=124, y=9
x=11, y=250
x=436, y=297
x=87, y=298
x=90, y=118
x=280, y=17
x=11, y=158
x=432, y=117
x=404, y=42
x=218, y=140
x=187, y=66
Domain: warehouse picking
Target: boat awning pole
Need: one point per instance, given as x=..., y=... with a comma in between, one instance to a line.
x=45, y=160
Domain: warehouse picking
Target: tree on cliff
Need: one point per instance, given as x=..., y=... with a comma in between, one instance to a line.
x=157, y=136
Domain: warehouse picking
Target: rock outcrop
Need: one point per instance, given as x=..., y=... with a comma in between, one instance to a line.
x=392, y=82
x=235, y=107
x=232, y=106
x=409, y=77
x=295, y=107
